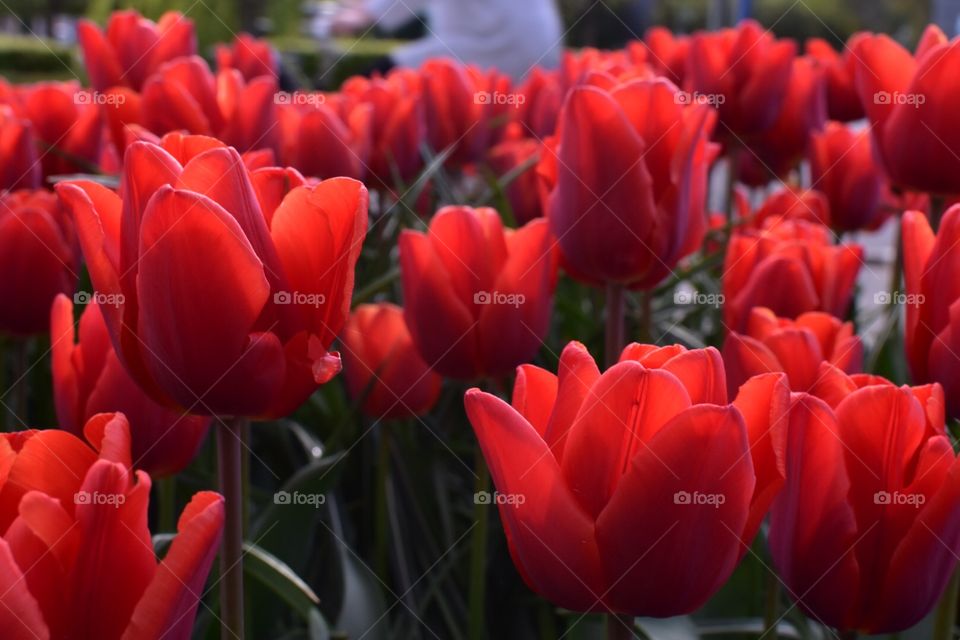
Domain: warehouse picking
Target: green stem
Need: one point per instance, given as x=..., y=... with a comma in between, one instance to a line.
x=733, y=169
x=946, y=617
x=382, y=522
x=167, y=504
x=476, y=597
x=771, y=617
x=897, y=264
x=230, y=467
x=620, y=627
x=850, y=634
x=615, y=323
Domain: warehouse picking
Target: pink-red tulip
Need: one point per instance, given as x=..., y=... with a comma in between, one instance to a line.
x=667, y=53
x=382, y=367
x=477, y=297
x=843, y=101
x=88, y=379
x=523, y=192
x=76, y=557
x=250, y=56
x=133, y=47
x=626, y=181
x=795, y=347
x=793, y=204
x=39, y=257
x=242, y=327
x=866, y=532
x=637, y=490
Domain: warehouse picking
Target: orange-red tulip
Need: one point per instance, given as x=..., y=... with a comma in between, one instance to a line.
x=88, y=379
x=626, y=181
x=39, y=257
x=795, y=347
x=76, y=557
x=242, y=327
x=843, y=101
x=866, y=532
x=133, y=47
x=637, y=490
x=382, y=367
x=252, y=57
x=477, y=297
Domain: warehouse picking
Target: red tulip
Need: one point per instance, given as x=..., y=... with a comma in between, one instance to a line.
x=793, y=204
x=866, y=532
x=76, y=557
x=791, y=267
x=382, y=367
x=909, y=101
x=667, y=53
x=626, y=182
x=842, y=167
x=477, y=297
x=39, y=255
x=88, y=379
x=250, y=56
x=795, y=347
x=456, y=105
x=19, y=164
x=843, y=101
x=542, y=100
x=242, y=327
x=318, y=142
x=747, y=72
x=506, y=159
x=932, y=332
x=635, y=491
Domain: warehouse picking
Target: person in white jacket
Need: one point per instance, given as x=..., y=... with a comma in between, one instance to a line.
x=513, y=36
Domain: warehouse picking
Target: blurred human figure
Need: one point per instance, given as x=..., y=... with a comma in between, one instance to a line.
x=513, y=36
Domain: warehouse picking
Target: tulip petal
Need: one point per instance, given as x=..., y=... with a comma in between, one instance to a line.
x=20, y=616
x=534, y=395
x=576, y=375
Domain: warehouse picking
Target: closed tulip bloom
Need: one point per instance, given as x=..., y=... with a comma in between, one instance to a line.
x=843, y=101
x=909, y=100
x=795, y=347
x=456, y=105
x=842, y=167
x=40, y=257
x=19, y=165
x=793, y=204
x=243, y=327
x=252, y=57
x=88, y=379
x=76, y=557
x=626, y=181
x=523, y=192
x=667, y=53
x=866, y=532
x=790, y=267
x=381, y=365
x=133, y=47
x=932, y=332
x=320, y=143
x=477, y=297
x=642, y=487
x=542, y=100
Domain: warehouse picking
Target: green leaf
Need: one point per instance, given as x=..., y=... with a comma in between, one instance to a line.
x=281, y=579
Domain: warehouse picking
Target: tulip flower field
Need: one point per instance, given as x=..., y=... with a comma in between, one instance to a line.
x=663, y=343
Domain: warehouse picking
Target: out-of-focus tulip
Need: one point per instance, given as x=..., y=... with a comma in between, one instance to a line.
x=382, y=366
x=19, y=164
x=910, y=103
x=667, y=53
x=318, y=142
x=542, y=101
x=932, y=332
x=793, y=204
x=76, y=557
x=641, y=488
x=867, y=529
x=88, y=379
x=133, y=47
x=795, y=347
x=842, y=167
x=39, y=255
x=241, y=328
x=789, y=266
x=250, y=56
x=477, y=297
x=843, y=101
x=184, y=95
x=626, y=181
x=746, y=71
x=522, y=193
x=456, y=105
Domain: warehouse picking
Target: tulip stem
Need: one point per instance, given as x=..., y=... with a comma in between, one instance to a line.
x=382, y=523
x=772, y=610
x=476, y=597
x=230, y=466
x=620, y=627
x=615, y=323
x=167, y=504
x=946, y=616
